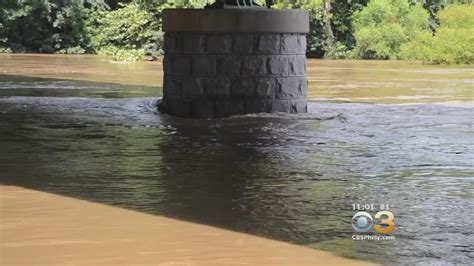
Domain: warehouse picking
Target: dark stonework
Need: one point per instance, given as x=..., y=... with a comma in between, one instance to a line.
x=218, y=44
x=216, y=74
x=204, y=65
x=289, y=44
x=229, y=65
x=268, y=43
x=242, y=43
x=218, y=88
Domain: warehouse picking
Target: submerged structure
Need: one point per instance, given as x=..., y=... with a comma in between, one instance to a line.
x=229, y=60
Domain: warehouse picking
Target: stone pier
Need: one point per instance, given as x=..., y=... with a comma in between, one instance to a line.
x=223, y=62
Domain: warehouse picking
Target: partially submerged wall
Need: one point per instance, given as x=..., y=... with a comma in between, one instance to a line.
x=224, y=62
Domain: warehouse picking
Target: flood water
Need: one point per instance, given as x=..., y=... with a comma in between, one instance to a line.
x=392, y=133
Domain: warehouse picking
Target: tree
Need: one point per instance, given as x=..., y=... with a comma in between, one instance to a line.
x=45, y=26
x=453, y=42
x=383, y=26
x=327, y=22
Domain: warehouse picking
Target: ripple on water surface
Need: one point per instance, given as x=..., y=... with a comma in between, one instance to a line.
x=290, y=177
x=73, y=129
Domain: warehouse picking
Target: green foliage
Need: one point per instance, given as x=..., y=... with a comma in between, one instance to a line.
x=435, y=31
x=72, y=50
x=337, y=51
x=120, y=54
x=5, y=50
x=129, y=28
x=454, y=40
x=452, y=46
x=434, y=6
x=133, y=29
x=45, y=26
x=342, y=16
x=457, y=16
x=384, y=26
x=418, y=48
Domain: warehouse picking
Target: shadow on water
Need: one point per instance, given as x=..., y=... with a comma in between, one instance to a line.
x=288, y=177
x=218, y=172
x=226, y=173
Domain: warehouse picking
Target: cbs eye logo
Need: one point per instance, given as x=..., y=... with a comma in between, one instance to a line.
x=362, y=222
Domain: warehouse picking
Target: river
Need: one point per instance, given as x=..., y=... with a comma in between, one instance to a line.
x=381, y=132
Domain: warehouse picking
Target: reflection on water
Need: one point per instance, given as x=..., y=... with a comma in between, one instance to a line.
x=289, y=177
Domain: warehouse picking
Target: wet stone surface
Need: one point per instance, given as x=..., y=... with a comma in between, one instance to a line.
x=235, y=73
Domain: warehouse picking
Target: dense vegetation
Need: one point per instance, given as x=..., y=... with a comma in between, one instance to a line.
x=436, y=31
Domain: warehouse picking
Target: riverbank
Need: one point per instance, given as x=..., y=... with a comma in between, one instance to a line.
x=57, y=230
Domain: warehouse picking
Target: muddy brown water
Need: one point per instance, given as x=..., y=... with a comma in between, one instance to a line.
x=382, y=132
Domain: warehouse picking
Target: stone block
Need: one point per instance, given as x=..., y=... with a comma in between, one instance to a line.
x=171, y=87
x=257, y=106
x=227, y=108
x=265, y=88
x=278, y=66
x=202, y=108
x=303, y=88
x=268, y=43
x=204, y=65
x=299, y=106
x=289, y=88
x=242, y=43
x=179, y=108
x=298, y=65
x=289, y=44
x=229, y=65
x=283, y=106
x=167, y=66
x=244, y=87
x=217, y=87
x=181, y=65
x=192, y=89
x=218, y=43
x=301, y=44
x=193, y=43
x=172, y=43
x=254, y=66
